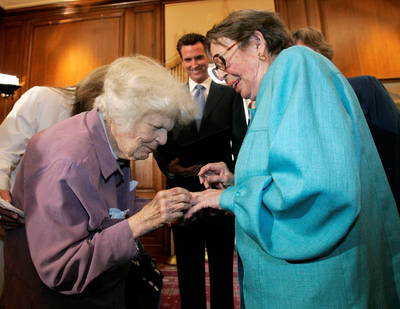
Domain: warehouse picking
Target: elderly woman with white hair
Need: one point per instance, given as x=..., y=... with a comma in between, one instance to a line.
x=83, y=219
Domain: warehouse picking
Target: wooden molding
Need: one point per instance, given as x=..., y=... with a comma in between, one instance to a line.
x=170, y=63
x=80, y=6
x=177, y=1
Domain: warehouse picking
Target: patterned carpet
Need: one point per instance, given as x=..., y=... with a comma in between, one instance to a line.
x=170, y=292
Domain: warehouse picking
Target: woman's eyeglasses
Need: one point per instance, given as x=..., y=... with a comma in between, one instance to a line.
x=213, y=73
x=219, y=60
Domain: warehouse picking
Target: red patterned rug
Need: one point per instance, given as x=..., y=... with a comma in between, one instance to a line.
x=170, y=291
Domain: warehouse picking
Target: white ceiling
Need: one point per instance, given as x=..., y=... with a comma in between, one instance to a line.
x=15, y=4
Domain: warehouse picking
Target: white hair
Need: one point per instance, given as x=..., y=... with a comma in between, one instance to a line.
x=135, y=86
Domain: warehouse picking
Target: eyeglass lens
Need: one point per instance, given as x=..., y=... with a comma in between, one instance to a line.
x=219, y=62
x=216, y=74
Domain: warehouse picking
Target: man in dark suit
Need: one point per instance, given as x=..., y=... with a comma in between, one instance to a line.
x=383, y=119
x=215, y=136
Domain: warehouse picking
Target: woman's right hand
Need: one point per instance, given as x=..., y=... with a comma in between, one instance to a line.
x=167, y=206
x=216, y=173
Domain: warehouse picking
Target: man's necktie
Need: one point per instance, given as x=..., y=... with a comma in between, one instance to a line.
x=200, y=101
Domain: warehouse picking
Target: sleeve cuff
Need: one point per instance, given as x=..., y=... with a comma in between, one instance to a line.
x=226, y=199
x=4, y=183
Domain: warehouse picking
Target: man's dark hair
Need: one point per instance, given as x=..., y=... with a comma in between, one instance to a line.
x=190, y=39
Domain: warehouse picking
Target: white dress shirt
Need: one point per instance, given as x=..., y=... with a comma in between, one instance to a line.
x=37, y=109
x=206, y=84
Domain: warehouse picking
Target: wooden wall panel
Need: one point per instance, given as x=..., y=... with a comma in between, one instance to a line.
x=148, y=173
x=151, y=180
x=12, y=38
x=299, y=13
x=65, y=50
x=143, y=32
x=365, y=34
x=143, y=36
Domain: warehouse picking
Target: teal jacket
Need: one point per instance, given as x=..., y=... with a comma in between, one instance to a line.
x=316, y=222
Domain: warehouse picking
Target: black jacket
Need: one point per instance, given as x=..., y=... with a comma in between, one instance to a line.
x=223, y=121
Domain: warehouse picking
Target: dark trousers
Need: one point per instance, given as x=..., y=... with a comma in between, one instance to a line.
x=216, y=233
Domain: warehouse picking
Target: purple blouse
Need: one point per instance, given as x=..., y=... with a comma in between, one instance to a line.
x=68, y=181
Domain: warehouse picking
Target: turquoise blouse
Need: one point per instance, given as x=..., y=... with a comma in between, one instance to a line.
x=316, y=222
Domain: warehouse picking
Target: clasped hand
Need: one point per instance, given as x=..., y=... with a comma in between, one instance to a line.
x=211, y=175
x=165, y=207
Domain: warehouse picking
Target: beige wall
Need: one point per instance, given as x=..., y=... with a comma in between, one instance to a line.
x=199, y=16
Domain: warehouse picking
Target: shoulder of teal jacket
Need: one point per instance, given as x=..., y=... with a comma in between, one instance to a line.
x=226, y=199
x=299, y=61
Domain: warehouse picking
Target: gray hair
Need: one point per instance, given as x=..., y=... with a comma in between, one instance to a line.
x=314, y=39
x=88, y=89
x=135, y=86
x=241, y=25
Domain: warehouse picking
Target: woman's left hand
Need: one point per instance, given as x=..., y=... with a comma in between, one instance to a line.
x=216, y=174
x=167, y=206
x=203, y=199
